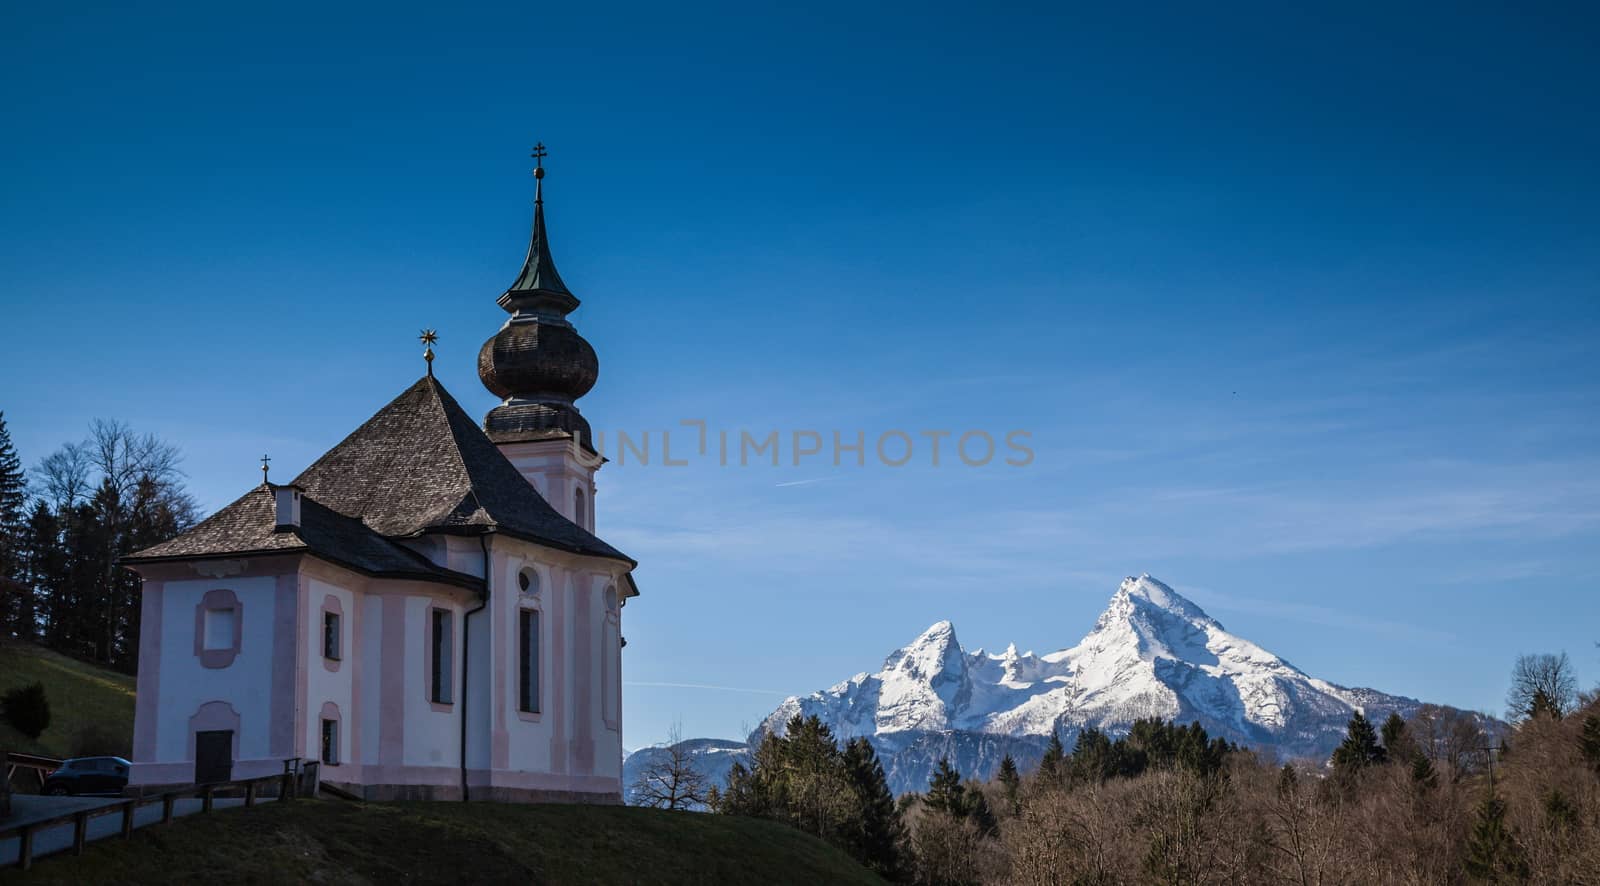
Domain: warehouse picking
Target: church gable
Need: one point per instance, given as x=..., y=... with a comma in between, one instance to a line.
x=421, y=463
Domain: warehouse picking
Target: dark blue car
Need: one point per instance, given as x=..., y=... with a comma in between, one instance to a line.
x=88, y=775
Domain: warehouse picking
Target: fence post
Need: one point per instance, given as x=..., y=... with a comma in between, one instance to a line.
x=25, y=847
x=127, y=817
x=250, y=794
x=205, y=798
x=166, y=807
x=80, y=832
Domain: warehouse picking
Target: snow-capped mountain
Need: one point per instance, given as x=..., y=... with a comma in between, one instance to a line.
x=1152, y=653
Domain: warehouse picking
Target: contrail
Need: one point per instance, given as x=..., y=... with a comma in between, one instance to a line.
x=705, y=686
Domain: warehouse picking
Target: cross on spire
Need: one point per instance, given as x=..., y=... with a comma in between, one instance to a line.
x=538, y=155
x=264, y=460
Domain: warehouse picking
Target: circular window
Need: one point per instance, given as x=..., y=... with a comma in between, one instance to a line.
x=528, y=581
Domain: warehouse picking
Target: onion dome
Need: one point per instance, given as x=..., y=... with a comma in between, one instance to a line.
x=537, y=363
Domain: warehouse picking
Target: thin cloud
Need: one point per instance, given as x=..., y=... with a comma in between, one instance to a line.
x=802, y=482
x=1321, y=616
x=706, y=686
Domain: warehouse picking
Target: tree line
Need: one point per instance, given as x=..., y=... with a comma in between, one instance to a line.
x=1441, y=797
x=65, y=524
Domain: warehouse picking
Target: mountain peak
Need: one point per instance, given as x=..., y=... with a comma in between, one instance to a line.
x=1152, y=592
x=934, y=651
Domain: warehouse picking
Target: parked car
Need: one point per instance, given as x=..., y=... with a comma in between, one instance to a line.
x=88, y=775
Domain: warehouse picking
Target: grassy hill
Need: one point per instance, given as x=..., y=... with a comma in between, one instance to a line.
x=326, y=841
x=82, y=696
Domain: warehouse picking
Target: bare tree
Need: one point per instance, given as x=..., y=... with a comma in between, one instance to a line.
x=63, y=476
x=670, y=781
x=1542, y=682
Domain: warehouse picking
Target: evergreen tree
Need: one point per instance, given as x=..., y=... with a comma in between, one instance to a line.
x=1493, y=853
x=875, y=833
x=812, y=773
x=946, y=793
x=1360, y=747
x=1542, y=706
x=1422, y=772
x=1559, y=812
x=1288, y=782
x=44, y=567
x=1398, y=745
x=1011, y=783
x=1052, y=766
x=1094, y=757
x=13, y=500
x=1589, y=742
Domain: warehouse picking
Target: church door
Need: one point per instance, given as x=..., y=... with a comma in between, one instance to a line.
x=213, y=756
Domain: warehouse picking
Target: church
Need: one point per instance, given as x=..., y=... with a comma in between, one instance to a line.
x=425, y=609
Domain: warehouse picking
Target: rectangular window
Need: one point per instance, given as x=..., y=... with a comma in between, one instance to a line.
x=330, y=742
x=528, y=651
x=442, y=648
x=330, y=635
x=219, y=629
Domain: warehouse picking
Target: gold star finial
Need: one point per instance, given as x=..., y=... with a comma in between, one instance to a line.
x=428, y=337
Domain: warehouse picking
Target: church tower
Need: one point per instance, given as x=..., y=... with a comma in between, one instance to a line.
x=539, y=366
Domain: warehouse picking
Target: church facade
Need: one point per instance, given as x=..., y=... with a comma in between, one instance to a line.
x=425, y=609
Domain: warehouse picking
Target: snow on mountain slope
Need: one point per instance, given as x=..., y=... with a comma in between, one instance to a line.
x=1152, y=653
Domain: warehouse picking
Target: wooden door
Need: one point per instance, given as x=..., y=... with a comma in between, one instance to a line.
x=213, y=756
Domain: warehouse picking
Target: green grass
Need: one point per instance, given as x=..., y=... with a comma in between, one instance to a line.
x=327, y=841
x=81, y=695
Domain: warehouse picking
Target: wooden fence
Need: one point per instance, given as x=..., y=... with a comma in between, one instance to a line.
x=299, y=778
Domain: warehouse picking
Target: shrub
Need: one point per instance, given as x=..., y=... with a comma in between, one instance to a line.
x=27, y=709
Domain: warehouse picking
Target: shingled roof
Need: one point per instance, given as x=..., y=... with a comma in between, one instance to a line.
x=419, y=465
x=247, y=527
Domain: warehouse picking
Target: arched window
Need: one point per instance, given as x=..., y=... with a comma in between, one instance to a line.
x=578, y=514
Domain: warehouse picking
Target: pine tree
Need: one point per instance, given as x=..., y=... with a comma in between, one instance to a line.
x=1288, y=782
x=1360, y=747
x=1542, y=706
x=1589, y=742
x=1398, y=744
x=946, y=793
x=812, y=773
x=875, y=835
x=1422, y=772
x=1052, y=766
x=46, y=567
x=1559, y=812
x=1093, y=757
x=13, y=499
x=1011, y=784
x=1493, y=853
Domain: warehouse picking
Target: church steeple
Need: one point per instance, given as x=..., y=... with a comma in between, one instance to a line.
x=537, y=363
x=539, y=285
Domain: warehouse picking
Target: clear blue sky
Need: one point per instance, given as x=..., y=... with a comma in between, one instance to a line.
x=1300, y=307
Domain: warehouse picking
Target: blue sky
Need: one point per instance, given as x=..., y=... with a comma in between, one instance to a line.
x=1299, y=307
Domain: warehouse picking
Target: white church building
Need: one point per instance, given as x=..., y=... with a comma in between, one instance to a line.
x=425, y=609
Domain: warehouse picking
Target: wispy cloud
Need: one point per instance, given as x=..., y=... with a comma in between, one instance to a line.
x=706, y=686
x=1323, y=616
x=802, y=482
